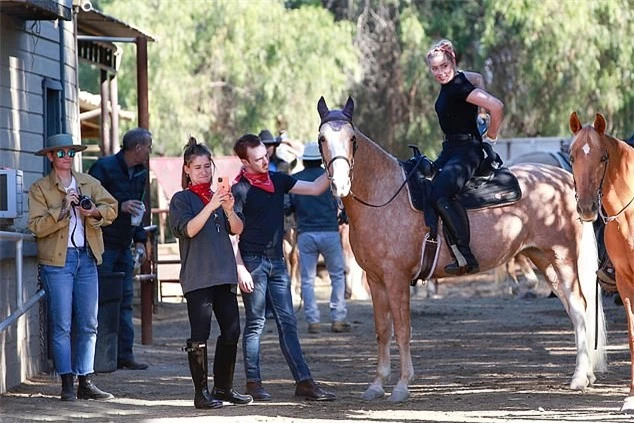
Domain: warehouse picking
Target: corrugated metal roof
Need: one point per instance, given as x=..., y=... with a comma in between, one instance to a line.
x=94, y=22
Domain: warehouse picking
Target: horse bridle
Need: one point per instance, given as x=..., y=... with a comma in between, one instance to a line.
x=351, y=166
x=350, y=162
x=604, y=217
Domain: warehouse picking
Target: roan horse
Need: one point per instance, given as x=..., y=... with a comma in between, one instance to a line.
x=387, y=242
x=603, y=169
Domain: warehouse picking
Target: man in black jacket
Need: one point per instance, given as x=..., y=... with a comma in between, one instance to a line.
x=124, y=176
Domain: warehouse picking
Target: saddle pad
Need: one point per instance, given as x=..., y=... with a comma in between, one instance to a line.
x=500, y=189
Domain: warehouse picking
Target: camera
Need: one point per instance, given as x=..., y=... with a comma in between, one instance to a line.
x=84, y=202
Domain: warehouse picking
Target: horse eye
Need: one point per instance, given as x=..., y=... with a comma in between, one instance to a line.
x=572, y=159
x=604, y=158
x=321, y=139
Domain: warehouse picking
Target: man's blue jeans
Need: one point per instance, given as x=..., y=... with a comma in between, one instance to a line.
x=271, y=281
x=310, y=245
x=72, y=292
x=121, y=260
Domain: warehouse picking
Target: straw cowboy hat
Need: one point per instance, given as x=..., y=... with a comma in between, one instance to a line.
x=58, y=142
x=311, y=152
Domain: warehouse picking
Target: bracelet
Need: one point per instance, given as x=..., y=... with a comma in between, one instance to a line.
x=492, y=139
x=229, y=214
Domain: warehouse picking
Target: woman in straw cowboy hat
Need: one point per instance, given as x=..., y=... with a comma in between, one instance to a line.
x=66, y=212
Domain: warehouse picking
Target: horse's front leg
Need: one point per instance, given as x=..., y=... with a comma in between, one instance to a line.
x=383, y=328
x=627, y=295
x=564, y=282
x=398, y=294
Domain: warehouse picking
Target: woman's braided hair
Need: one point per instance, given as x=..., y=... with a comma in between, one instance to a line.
x=444, y=47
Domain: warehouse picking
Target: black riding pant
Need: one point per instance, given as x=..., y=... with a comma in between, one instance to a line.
x=222, y=301
x=458, y=162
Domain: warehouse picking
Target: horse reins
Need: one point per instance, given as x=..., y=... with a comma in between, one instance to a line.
x=400, y=188
x=606, y=218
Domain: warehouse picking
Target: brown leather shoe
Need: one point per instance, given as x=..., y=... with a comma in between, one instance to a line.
x=340, y=326
x=312, y=391
x=256, y=390
x=314, y=327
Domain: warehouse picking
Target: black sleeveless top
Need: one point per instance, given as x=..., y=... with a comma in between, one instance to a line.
x=455, y=114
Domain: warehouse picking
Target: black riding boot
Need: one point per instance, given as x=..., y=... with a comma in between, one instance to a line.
x=457, y=224
x=68, y=391
x=197, y=355
x=224, y=366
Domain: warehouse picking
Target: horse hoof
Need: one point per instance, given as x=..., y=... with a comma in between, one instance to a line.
x=628, y=406
x=372, y=393
x=579, y=383
x=399, y=395
x=591, y=379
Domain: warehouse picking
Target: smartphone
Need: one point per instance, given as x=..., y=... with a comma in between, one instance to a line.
x=223, y=184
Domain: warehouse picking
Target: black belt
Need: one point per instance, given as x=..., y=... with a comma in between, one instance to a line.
x=461, y=137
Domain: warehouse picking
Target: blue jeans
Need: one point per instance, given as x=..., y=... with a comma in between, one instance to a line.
x=310, y=245
x=72, y=292
x=271, y=282
x=121, y=260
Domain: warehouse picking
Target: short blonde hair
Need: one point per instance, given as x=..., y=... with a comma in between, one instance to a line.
x=444, y=47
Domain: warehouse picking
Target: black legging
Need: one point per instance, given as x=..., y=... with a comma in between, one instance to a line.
x=222, y=301
x=458, y=161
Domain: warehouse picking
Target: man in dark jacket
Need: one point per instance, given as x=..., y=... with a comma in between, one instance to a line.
x=124, y=176
x=318, y=233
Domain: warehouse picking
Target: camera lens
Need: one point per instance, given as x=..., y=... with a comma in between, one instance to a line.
x=85, y=203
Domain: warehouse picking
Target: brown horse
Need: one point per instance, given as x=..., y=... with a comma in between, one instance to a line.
x=387, y=240
x=603, y=169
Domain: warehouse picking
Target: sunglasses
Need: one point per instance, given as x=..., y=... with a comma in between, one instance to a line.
x=61, y=153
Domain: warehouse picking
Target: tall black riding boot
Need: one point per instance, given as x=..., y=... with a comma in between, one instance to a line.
x=457, y=224
x=224, y=366
x=197, y=355
x=68, y=391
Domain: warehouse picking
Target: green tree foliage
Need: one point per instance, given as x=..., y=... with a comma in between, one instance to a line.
x=224, y=68
x=550, y=58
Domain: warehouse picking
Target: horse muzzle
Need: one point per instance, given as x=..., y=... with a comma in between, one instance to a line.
x=340, y=187
x=588, y=212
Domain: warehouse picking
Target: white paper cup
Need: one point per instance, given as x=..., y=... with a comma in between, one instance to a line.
x=136, y=219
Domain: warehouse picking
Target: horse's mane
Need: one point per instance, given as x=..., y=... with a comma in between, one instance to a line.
x=373, y=143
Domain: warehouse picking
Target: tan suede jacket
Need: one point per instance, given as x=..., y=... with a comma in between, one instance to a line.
x=45, y=206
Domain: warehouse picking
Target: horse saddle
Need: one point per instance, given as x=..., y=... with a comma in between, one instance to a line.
x=498, y=187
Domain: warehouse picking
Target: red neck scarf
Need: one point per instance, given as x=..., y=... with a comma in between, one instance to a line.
x=203, y=191
x=258, y=180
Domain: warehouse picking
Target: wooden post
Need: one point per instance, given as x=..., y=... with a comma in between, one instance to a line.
x=147, y=286
x=104, y=134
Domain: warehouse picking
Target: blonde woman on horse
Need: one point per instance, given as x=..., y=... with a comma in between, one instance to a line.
x=462, y=149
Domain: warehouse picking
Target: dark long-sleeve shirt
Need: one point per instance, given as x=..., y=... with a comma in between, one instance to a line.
x=207, y=259
x=123, y=184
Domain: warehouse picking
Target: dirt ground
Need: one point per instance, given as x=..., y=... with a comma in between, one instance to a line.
x=479, y=356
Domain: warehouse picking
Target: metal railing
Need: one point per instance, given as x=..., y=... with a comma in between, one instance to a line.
x=21, y=305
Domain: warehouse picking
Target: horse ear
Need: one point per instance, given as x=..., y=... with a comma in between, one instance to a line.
x=349, y=107
x=322, y=108
x=599, y=123
x=575, y=124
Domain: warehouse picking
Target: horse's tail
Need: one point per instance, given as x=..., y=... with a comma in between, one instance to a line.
x=587, y=265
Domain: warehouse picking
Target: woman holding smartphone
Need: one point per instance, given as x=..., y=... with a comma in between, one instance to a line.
x=203, y=221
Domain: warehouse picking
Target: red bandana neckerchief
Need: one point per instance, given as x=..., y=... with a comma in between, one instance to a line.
x=258, y=180
x=203, y=191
